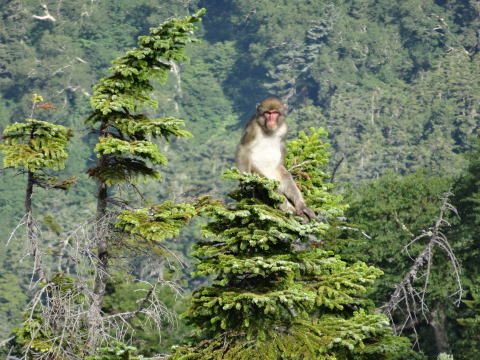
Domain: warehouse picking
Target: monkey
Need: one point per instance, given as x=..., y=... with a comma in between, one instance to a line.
x=262, y=151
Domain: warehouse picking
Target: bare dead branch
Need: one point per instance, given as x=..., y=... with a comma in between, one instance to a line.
x=6, y=341
x=402, y=225
x=335, y=169
x=406, y=300
x=342, y=227
x=299, y=165
x=18, y=226
x=34, y=235
x=151, y=306
x=60, y=309
x=46, y=17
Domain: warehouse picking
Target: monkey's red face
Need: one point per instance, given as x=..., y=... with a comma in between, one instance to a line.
x=271, y=119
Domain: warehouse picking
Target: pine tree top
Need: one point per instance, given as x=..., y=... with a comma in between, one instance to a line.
x=35, y=145
x=125, y=150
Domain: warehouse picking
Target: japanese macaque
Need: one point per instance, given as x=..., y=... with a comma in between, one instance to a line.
x=262, y=151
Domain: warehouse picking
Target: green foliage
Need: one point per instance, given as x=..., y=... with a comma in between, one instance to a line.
x=469, y=340
x=466, y=340
x=116, y=351
x=467, y=201
x=392, y=211
x=35, y=145
x=274, y=294
x=444, y=356
x=12, y=301
x=143, y=149
x=37, y=334
x=330, y=338
x=140, y=126
x=32, y=333
x=124, y=145
x=156, y=223
x=307, y=158
x=127, y=169
x=126, y=89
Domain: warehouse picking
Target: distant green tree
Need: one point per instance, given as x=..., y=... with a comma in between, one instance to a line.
x=391, y=212
x=201, y=97
x=465, y=338
x=35, y=146
x=12, y=302
x=275, y=294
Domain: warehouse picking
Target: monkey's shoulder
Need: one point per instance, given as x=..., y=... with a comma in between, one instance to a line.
x=250, y=132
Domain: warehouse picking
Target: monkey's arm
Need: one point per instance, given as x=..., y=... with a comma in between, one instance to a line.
x=250, y=132
x=243, y=160
x=289, y=189
x=243, y=154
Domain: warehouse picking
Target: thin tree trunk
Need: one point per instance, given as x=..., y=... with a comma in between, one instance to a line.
x=28, y=207
x=31, y=235
x=101, y=277
x=437, y=322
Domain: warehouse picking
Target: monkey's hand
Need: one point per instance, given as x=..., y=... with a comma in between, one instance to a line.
x=305, y=212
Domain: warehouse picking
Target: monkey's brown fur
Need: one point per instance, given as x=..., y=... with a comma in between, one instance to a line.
x=262, y=151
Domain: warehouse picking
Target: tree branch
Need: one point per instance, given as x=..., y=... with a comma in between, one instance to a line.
x=405, y=292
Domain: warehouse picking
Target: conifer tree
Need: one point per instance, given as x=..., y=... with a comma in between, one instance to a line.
x=275, y=294
x=125, y=151
x=35, y=146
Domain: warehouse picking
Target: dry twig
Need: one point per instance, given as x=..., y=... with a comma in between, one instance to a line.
x=60, y=310
x=407, y=301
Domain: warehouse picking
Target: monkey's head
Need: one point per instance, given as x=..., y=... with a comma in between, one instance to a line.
x=271, y=114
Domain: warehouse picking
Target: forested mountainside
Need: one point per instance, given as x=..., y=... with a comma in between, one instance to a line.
x=396, y=84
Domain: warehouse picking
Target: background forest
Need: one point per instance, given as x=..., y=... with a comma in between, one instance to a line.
x=396, y=85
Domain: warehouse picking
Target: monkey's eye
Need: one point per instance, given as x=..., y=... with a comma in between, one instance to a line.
x=270, y=112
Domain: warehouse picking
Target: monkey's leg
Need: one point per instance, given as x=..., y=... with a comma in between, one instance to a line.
x=289, y=189
x=286, y=206
x=243, y=161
